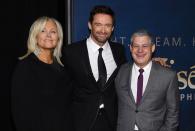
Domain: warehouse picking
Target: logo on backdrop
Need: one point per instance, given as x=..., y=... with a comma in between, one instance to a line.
x=186, y=80
x=160, y=41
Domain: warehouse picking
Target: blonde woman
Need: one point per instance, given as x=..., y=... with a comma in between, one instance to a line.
x=40, y=86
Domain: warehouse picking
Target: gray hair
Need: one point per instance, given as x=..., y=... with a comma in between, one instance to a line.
x=36, y=28
x=142, y=32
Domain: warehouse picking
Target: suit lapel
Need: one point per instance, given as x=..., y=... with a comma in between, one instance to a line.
x=85, y=61
x=126, y=85
x=129, y=85
x=151, y=80
x=116, y=59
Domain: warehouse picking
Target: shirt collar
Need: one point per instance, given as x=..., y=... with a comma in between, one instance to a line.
x=94, y=46
x=146, y=68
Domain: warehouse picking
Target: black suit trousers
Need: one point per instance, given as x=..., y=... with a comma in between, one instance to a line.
x=102, y=123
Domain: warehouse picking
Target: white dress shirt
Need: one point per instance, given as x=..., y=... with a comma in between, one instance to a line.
x=134, y=78
x=107, y=55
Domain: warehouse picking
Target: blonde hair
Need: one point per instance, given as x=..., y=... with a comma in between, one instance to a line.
x=36, y=28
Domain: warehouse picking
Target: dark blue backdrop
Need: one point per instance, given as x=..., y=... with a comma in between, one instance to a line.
x=172, y=22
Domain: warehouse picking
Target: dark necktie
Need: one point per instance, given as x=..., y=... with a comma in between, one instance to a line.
x=139, y=86
x=102, y=70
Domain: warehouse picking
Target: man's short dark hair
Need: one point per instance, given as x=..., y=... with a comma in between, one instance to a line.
x=101, y=9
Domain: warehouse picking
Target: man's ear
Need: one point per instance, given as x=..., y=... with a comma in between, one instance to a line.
x=130, y=47
x=89, y=25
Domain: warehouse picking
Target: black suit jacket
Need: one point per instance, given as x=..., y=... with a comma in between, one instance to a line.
x=86, y=92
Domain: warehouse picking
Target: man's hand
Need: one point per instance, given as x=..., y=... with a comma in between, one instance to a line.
x=161, y=61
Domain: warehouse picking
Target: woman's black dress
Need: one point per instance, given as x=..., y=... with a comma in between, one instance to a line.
x=41, y=96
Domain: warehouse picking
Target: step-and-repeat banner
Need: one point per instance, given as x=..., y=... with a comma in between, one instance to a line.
x=173, y=24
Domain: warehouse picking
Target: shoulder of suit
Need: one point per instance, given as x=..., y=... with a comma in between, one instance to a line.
x=126, y=66
x=79, y=42
x=164, y=69
x=75, y=45
x=117, y=48
x=115, y=44
x=124, y=69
